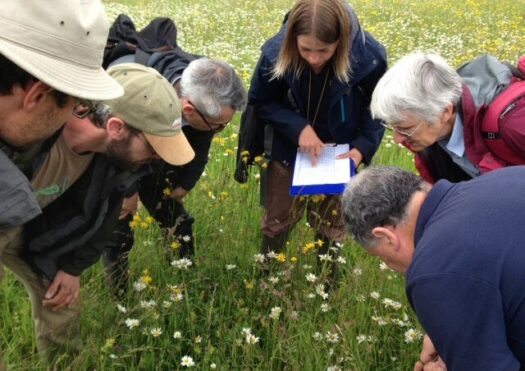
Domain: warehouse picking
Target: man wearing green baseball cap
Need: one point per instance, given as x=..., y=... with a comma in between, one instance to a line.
x=81, y=176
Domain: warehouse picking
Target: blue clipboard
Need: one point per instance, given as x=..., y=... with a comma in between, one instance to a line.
x=324, y=189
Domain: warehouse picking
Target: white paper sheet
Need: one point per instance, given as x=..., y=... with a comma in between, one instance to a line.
x=328, y=169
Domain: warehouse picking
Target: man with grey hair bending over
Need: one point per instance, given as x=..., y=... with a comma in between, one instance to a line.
x=440, y=114
x=210, y=92
x=460, y=247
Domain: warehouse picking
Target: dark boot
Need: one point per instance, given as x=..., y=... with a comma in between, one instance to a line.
x=117, y=274
x=328, y=248
x=275, y=244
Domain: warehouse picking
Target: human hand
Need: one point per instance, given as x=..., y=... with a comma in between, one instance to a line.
x=310, y=143
x=129, y=206
x=429, y=358
x=63, y=291
x=354, y=154
x=178, y=194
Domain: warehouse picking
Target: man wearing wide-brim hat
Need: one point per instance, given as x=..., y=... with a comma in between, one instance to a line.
x=50, y=61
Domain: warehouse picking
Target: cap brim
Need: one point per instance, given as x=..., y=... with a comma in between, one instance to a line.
x=72, y=79
x=175, y=150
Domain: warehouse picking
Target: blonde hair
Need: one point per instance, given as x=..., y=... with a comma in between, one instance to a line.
x=326, y=20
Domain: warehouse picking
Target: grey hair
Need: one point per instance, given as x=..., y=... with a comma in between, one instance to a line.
x=211, y=85
x=420, y=84
x=376, y=197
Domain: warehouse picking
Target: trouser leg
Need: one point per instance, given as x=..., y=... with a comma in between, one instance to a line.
x=57, y=332
x=282, y=211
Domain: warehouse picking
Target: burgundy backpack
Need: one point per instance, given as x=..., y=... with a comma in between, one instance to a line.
x=503, y=124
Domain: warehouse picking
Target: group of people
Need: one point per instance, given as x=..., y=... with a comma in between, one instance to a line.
x=81, y=145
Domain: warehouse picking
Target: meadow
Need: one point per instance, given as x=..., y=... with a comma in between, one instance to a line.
x=221, y=312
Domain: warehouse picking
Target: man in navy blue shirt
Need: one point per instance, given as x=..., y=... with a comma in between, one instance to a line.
x=461, y=247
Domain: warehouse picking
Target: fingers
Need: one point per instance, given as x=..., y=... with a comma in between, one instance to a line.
x=418, y=366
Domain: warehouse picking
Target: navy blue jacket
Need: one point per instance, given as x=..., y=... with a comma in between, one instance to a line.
x=467, y=278
x=349, y=115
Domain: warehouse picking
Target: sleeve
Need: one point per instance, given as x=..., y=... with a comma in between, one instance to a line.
x=465, y=319
x=269, y=96
x=371, y=131
x=83, y=257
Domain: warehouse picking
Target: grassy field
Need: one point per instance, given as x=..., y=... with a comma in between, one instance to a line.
x=220, y=312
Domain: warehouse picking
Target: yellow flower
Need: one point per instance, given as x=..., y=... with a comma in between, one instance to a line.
x=137, y=218
x=245, y=153
x=146, y=279
x=257, y=159
x=229, y=152
x=264, y=165
x=149, y=220
x=308, y=247
x=144, y=225
x=281, y=258
x=334, y=212
x=223, y=196
x=293, y=259
x=175, y=245
x=248, y=284
x=244, y=186
x=319, y=243
x=133, y=224
x=166, y=191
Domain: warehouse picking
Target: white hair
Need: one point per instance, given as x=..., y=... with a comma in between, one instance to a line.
x=212, y=85
x=421, y=85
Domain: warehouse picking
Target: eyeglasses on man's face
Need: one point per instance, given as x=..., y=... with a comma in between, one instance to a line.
x=84, y=108
x=405, y=133
x=214, y=127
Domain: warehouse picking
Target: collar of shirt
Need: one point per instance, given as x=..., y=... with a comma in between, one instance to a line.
x=456, y=141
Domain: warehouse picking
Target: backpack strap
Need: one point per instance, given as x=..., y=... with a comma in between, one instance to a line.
x=515, y=71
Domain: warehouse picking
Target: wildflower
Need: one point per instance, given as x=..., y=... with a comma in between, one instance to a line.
x=389, y=303
x=308, y=247
x=341, y=260
x=325, y=258
x=149, y=220
x=380, y=320
x=310, y=296
x=358, y=271
x=167, y=191
x=146, y=279
x=139, y=286
x=144, y=225
x=187, y=361
x=360, y=298
x=411, y=335
x=271, y=255
x=281, y=258
x=293, y=259
x=186, y=238
x=383, y=266
x=307, y=267
x=310, y=277
x=317, y=336
x=148, y=304
x=213, y=366
x=251, y=339
x=274, y=280
x=332, y=337
x=175, y=245
x=177, y=335
x=176, y=297
x=223, y=196
x=333, y=368
x=246, y=330
x=264, y=165
x=375, y=295
x=198, y=339
x=275, y=312
x=257, y=159
x=230, y=267
x=183, y=263
x=132, y=323
x=248, y=284
x=325, y=307
x=361, y=338
x=319, y=289
x=122, y=308
x=156, y=332
x=166, y=304
x=133, y=225
x=258, y=258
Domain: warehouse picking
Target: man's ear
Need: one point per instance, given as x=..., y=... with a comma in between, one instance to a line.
x=387, y=234
x=116, y=129
x=35, y=93
x=187, y=108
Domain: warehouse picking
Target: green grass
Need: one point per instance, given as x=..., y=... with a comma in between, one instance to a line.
x=355, y=329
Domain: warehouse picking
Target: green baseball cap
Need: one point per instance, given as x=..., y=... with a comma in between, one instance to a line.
x=151, y=105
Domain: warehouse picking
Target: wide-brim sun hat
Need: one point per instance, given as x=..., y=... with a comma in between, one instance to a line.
x=61, y=43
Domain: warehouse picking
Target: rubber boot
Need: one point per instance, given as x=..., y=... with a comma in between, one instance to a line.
x=275, y=244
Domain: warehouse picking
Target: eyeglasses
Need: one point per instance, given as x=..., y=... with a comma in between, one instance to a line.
x=216, y=128
x=84, y=108
x=406, y=134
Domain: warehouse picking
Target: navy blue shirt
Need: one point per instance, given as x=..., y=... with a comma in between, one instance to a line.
x=466, y=282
